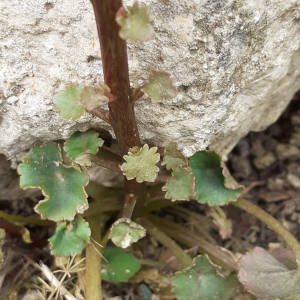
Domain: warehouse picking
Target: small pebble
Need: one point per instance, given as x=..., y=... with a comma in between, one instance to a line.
x=276, y=184
x=264, y=161
x=294, y=180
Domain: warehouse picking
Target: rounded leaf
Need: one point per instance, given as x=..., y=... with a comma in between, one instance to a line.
x=67, y=103
x=160, y=86
x=70, y=238
x=125, y=232
x=91, y=97
x=203, y=281
x=210, y=181
x=62, y=186
x=268, y=277
x=141, y=164
x=83, y=143
x=119, y=265
x=180, y=186
x=135, y=23
x=173, y=157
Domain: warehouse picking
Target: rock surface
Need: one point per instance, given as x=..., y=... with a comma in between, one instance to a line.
x=235, y=63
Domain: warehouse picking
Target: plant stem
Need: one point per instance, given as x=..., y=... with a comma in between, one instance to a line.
x=110, y=156
x=272, y=223
x=104, y=163
x=18, y=231
x=162, y=178
x=116, y=76
x=167, y=242
x=137, y=94
x=93, y=261
x=186, y=237
x=100, y=113
x=107, y=204
x=27, y=220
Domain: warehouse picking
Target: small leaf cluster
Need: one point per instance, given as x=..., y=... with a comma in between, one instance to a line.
x=75, y=100
x=201, y=175
x=63, y=187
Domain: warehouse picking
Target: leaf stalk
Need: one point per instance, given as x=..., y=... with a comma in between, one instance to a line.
x=167, y=242
x=93, y=261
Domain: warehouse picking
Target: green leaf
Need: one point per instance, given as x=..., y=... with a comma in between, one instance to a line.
x=70, y=238
x=135, y=23
x=173, y=157
x=67, y=103
x=63, y=187
x=91, y=97
x=125, y=232
x=221, y=221
x=180, y=186
x=270, y=278
x=160, y=86
x=83, y=143
x=210, y=183
x=141, y=164
x=203, y=281
x=120, y=265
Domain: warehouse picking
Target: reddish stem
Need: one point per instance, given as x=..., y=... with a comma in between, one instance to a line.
x=116, y=76
x=101, y=114
x=137, y=94
x=18, y=232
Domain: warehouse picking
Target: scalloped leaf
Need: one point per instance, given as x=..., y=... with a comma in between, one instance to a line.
x=62, y=186
x=67, y=103
x=70, y=238
x=173, y=157
x=141, y=164
x=135, y=23
x=160, y=86
x=120, y=265
x=83, y=143
x=125, y=232
x=180, y=186
x=203, y=281
x=269, y=278
x=221, y=221
x=209, y=180
x=91, y=97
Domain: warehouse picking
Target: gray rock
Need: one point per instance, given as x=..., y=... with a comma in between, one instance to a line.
x=235, y=63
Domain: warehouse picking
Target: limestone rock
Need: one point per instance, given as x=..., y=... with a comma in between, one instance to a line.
x=235, y=64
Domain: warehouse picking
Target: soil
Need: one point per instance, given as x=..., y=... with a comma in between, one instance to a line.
x=267, y=163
